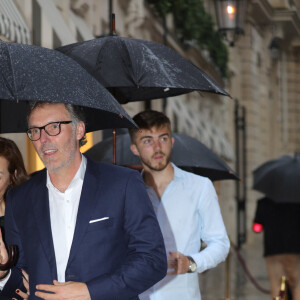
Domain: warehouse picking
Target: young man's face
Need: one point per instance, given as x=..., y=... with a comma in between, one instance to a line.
x=58, y=151
x=154, y=147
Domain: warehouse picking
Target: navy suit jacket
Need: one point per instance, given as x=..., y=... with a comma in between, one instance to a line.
x=118, y=258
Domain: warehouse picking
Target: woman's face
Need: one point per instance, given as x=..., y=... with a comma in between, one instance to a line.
x=4, y=176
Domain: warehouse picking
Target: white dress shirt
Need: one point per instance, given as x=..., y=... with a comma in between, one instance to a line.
x=63, y=215
x=188, y=212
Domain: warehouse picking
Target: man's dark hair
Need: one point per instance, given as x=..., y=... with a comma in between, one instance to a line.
x=148, y=119
x=76, y=115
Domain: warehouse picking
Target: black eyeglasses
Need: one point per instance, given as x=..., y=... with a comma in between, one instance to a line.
x=52, y=129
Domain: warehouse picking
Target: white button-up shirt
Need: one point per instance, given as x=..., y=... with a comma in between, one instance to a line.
x=63, y=215
x=188, y=212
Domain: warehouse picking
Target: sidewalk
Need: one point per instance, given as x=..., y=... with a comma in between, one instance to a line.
x=213, y=283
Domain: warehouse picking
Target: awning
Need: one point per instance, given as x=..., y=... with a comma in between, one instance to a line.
x=57, y=22
x=12, y=24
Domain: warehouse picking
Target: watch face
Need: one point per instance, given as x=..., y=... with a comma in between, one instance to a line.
x=193, y=267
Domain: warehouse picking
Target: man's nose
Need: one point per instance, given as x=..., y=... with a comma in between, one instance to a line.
x=44, y=136
x=157, y=145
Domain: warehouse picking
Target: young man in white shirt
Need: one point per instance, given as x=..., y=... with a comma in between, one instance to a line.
x=187, y=209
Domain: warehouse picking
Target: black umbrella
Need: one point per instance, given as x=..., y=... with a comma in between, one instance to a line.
x=135, y=70
x=279, y=179
x=32, y=73
x=188, y=153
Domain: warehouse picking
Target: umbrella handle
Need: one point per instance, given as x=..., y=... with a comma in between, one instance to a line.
x=12, y=258
x=113, y=24
x=114, y=147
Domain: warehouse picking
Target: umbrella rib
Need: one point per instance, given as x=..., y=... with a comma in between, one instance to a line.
x=8, y=86
x=11, y=89
x=129, y=61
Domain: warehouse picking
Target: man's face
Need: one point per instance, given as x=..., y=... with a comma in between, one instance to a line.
x=154, y=147
x=58, y=151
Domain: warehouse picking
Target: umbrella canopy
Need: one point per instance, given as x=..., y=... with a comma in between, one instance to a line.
x=135, y=70
x=32, y=73
x=279, y=179
x=188, y=153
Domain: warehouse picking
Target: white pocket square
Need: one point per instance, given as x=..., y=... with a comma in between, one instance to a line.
x=98, y=220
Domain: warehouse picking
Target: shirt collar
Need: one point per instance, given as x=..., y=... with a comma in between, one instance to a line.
x=78, y=176
x=177, y=172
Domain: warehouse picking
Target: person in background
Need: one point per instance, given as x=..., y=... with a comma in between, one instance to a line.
x=84, y=230
x=187, y=209
x=12, y=173
x=280, y=224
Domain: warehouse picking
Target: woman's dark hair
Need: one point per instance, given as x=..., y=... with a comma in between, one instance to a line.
x=16, y=168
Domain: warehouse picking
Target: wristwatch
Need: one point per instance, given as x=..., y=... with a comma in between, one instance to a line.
x=192, y=265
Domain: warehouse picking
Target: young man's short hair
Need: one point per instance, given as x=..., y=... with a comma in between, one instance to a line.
x=148, y=119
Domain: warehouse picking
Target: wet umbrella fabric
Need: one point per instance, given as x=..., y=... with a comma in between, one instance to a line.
x=188, y=153
x=136, y=70
x=279, y=179
x=32, y=73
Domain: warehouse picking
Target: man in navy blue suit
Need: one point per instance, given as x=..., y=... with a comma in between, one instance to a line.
x=84, y=230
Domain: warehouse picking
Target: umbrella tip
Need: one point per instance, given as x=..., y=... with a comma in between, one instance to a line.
x=234, y=174
x=121, y=116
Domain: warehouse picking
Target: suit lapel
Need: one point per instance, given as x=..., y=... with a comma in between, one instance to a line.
x=88, y=201
x=40, y=204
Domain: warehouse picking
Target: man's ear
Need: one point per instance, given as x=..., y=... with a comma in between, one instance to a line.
x=173, y=141
x=80, y=130
x=134, y=150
